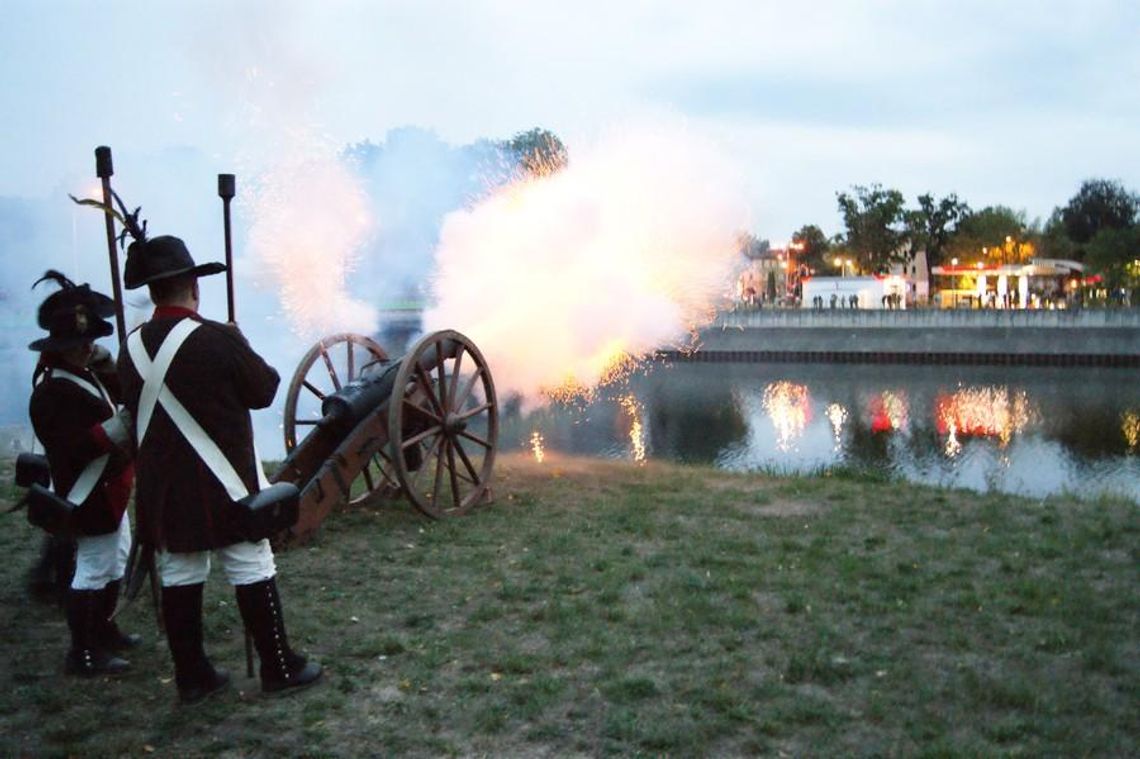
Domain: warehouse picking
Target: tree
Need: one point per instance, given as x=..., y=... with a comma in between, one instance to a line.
x=1115, y=255
x=812, y=247
x=1054, y=242
x=996, y=234
x=1099, y=204
x=538, y=152
x=873, y=217
x=752, y=247
x=933, y=224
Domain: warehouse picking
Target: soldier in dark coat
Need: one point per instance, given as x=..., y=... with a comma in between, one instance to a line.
x=88, y=446
x=192, y=383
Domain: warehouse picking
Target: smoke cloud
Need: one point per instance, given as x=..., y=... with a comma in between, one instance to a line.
x=626, y=250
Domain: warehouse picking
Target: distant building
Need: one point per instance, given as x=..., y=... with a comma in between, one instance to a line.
x=886, y=291
x=1041, y=283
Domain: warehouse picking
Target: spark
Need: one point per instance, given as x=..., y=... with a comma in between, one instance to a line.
x=536, y=446
x=636, y=431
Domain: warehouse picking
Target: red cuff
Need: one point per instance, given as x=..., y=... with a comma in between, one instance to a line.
x=102, y=442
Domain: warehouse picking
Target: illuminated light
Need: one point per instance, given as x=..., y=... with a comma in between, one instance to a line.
x=536, y=446
x=788, y=406
x=636, y=430
x=953, y=446
x=889, y=412
x=984, y=412
x=953, y=261
x=837, y=415
x=1130, y=426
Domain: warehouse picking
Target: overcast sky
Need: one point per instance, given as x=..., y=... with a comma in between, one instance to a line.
x=1000, y=102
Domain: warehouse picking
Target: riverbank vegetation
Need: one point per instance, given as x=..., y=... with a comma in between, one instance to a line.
x=601, y=608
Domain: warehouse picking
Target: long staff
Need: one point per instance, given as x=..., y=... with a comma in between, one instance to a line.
x=140, y=561
x=226, y=191
x=104, y=169
x=226, y=183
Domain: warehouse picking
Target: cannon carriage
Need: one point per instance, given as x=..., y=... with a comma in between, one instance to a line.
x=361, y=427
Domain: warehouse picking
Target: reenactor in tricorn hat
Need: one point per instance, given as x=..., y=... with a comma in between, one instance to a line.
x=88, y=446
x=191, y=384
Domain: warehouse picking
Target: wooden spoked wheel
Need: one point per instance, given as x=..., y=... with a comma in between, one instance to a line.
x=445, y=427
x=325, y=368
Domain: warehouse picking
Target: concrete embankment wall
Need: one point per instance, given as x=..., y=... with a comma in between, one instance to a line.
x=1090, y=337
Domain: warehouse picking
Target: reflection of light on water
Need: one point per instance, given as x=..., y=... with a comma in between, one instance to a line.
x=837, y=415
x=888, y=411
x=536, y=446
x=1130, y=425
x=953, y=446
x=984, y=412
x=636, y=431
x=788, y=408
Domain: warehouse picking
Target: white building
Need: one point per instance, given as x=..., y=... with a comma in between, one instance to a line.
x=878, y=292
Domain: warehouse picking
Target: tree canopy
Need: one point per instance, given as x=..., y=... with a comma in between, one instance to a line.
x=539, y=152
x=812, y=247
x=1099, y=204
x=873, y=217
x=932, y=225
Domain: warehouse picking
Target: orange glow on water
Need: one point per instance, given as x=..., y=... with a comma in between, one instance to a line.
x=1130, y=426
x=788, y=406
x=983, y=412
x=888, y=411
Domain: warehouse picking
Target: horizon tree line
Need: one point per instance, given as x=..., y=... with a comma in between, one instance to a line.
x=1098, y=226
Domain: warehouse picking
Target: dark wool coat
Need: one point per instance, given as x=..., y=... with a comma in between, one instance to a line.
x=180, y=505
x=68, y=421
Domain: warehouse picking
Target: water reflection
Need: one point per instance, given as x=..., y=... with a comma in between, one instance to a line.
x=1017, y=429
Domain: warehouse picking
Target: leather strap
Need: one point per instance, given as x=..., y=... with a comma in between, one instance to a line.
x=156, y=392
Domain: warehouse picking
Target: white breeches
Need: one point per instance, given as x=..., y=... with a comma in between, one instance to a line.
x=100, y=559
x=244, y=564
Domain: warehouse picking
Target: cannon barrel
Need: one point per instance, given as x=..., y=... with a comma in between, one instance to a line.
x=343, y=410
x=347, y=407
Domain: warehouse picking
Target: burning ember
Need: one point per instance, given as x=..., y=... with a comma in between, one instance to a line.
x=536, y=446
x=636, y=431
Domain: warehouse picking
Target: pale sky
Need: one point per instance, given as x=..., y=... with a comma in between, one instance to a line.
x=1000, y=102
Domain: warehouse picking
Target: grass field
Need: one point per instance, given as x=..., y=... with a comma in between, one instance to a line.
x=608, y=609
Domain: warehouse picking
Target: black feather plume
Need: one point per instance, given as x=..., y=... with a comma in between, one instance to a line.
x=55, y=276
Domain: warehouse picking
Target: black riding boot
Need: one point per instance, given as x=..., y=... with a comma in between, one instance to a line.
x=195, y=677
x=281, y=668
x=110, y=636
x=86, y=657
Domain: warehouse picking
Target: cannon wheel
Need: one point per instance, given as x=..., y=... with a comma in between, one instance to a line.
x=446, y=426
x=327, y=367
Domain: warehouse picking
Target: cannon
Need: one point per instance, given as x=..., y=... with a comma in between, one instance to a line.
x=360, y=427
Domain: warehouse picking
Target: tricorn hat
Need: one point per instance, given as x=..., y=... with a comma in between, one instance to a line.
x=150, y=260
x=72, y=316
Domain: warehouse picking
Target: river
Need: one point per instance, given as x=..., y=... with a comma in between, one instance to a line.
x=1027, y=430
